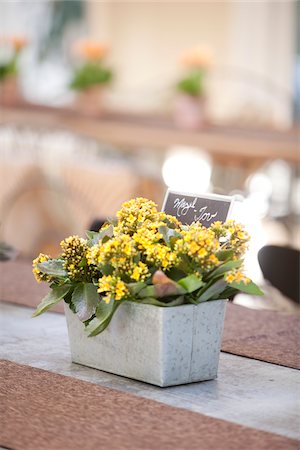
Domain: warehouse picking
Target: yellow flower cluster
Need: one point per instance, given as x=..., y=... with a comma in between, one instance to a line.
x=74, y=254
x=133, y=213
x=145, y=241
x=169, y=220
x=201, y=245
x=148, y=234
x=146, y=254
x=150, y=243
x=138, y=245
x=161, y=256
x=237, y=238
x=219, y=229
x=238, y=276
x=39, y=276
x=140, y=272
x=121, y=253
x=113, y=287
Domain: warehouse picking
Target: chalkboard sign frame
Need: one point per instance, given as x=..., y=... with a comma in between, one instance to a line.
x=223, y=198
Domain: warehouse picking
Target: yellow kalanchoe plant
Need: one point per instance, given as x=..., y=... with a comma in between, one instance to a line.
x=148, y=257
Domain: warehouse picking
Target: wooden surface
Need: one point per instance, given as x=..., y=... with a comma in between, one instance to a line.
x=132, y=132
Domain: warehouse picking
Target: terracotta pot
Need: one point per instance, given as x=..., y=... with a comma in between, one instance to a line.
x=9, y=90
x=89, y=101
x=189, y=111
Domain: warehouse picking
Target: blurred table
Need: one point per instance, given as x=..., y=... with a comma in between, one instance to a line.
x=226, y=144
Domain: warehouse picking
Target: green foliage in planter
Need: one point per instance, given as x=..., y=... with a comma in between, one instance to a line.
x=146, y=257
x=193, y=83
x=9, y=68
x=90, y=74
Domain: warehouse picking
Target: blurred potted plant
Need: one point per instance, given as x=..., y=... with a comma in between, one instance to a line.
x=91, y=75
x=7, y=252
x=145, y=295
x=10, y=50
x=189, y=108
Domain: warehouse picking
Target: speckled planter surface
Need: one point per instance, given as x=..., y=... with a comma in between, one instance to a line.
x=161, y=346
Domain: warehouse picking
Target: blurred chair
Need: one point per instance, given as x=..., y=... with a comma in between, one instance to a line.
x=281, y=267
x=53, y=183
x=96, y=224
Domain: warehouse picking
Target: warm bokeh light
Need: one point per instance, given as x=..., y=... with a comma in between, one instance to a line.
x=187, y=169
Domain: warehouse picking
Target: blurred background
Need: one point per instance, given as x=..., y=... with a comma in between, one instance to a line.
x=105, y=101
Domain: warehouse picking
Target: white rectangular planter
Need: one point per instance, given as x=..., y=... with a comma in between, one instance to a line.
x=162, y=346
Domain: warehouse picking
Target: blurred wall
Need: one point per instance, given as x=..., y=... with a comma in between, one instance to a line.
x=253, y=44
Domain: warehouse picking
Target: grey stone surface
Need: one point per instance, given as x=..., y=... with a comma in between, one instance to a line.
x=162, y=346
x=248, y=392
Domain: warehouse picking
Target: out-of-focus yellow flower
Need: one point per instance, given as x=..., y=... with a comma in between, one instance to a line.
x=90, y=49
x=200, y=57
x=237, y=276
x=238, y=238
x=39, y=276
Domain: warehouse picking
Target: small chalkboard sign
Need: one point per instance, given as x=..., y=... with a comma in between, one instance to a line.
x=189, y=208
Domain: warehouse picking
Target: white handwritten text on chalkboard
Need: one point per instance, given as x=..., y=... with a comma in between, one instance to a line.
x=182, y=207
x=192, y=208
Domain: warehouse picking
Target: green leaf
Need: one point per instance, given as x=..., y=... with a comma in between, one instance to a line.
x=250, y=288
x=168, y=234
x=153, y=301
x=85, y=299
x=148, y=291
x=83, y=263
x=54, y=267
x=107, y=269
x=191, y=283
x=107, y=232
x=185, y=264
x=224, y=255
x=95, y=236
x=51, y=299
x=135, y=288
x=91, y=234
x=223, y=268
x=175, y=274
x=213, y=291
x=104, y=314
x=163, y=230
x=228, y=292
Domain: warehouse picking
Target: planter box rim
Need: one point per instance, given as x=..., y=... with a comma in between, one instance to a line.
x=185, y=305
